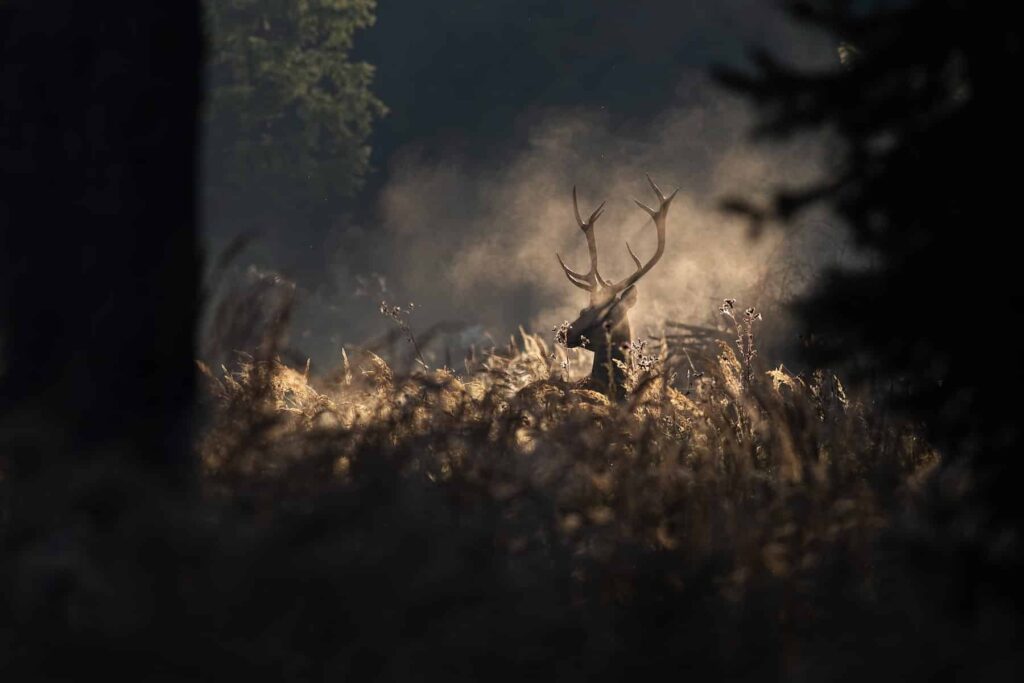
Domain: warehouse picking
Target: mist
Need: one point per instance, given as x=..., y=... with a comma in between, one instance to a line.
x=478, y=241
x=471, y=197
x=474, y=242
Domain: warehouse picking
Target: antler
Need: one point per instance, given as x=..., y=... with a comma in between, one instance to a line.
x=591, y=280
x=659, y=217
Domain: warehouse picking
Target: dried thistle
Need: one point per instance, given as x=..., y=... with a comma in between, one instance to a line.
x=399, y=315
x=744, y=327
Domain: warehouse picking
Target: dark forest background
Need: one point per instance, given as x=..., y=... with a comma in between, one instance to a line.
x=459, y=79
x=113, y=562
x=463, y=87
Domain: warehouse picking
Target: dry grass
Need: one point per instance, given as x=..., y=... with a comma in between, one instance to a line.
x=769, y=477
x=731, y=520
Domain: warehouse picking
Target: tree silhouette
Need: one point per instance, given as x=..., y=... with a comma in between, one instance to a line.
x=925, y=136
x=98, y=253
x=289, y=115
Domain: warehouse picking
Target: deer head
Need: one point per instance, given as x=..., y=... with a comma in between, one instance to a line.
x=603, y=326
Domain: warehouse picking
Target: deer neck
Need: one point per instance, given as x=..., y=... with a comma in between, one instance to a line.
x=610, y=349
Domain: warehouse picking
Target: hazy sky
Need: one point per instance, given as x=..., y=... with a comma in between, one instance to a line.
x=497, y=109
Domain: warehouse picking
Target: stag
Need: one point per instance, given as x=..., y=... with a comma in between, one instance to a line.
x=603, y=326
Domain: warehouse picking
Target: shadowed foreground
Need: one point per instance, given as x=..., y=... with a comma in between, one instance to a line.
x=735, y=522
x=751, y=524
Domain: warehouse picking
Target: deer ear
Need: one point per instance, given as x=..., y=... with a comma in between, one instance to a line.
x=628, y=297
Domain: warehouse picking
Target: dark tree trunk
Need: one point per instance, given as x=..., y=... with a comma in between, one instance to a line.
x=98, y=253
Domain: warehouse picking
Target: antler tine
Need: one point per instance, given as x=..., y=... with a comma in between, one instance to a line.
x=589, y=223
x=645, y=208
x=581, y=281
x=592, y=247
x=665, y=201
x=659, y=217
x=592, y=278
x=654, y=186
x=633, y=256
x=576, y=209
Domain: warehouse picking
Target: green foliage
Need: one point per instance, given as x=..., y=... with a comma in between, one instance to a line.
x=289, y=113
